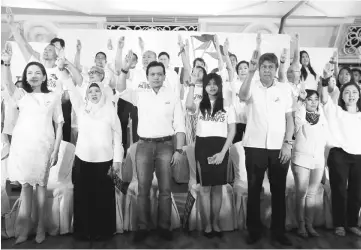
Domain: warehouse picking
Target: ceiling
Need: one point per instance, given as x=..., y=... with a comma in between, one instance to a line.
x=199, y=8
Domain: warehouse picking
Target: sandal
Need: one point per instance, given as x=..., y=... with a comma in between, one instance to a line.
x=302, y=232
x=355, y=230
x=340, y=231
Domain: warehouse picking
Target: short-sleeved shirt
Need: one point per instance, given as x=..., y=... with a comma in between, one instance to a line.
x=266, y=115
x=216, y=125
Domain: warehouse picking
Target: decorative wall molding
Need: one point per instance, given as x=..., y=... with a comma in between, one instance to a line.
x=156, y=27
x=353, y=40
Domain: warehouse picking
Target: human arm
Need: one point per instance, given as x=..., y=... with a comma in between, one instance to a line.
x=179, y=128
x=121, y=84
x=74, y=72
x=24, y=46
x=219, y=54
x=190, y=104
x=230, y=68
x=282, y=68
x=300, y=114
x=245, y=90
x=141, y=46
x=119, y=55
x=77, y=56
x=6, y=77
x=334, y=62
x=58, y=122
x=117, y=142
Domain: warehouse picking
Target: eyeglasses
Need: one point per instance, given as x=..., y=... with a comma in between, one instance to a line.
x=94, y=72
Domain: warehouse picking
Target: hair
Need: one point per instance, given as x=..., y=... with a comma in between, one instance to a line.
x=44, y=85
x=215, y=70
x=303, y=69
x=155, y=64
x=152, y=52
x=356, y=70
x=61, y=41
x=163, y=54
x=135, y=56
x=93, y=85
x=338, y=84
x=203, y=70
x=205, y=104
x=198, y=59
x=342, y=103
x=311, y=92
x=100, y=52
x=271, y=57
x=230, y=54
x=239, y=65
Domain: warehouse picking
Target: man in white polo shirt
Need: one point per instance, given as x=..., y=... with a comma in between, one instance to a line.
x=267, y=143
x=160, y=117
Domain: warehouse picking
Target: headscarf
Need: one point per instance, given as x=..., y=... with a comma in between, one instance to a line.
x=90, y=107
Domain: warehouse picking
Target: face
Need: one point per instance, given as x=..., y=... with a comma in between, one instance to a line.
x=312, y=103
x=148, y=57
x=100, y=60
x=267, y=72
x=200, y=63
x=165, y=60
x=199, y=73
x=242, y=70
x=34, y=76
x=49, y=53
x=305, y=59
x=212, y=88
x=156, y=77
x=94, y=75
x=94, y=94
x=344, y=77
x=350, y=96
x=357, y=76
x=233, y=61
x=57, y=46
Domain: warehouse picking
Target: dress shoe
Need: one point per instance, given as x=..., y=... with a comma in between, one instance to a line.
x=282, y=239
x=140, y=235
x=253, y=238
x=165, y=234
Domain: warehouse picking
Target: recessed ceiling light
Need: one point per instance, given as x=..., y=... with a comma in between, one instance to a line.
x=280, y=1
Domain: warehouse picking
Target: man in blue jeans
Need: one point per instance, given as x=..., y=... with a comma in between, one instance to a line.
x=160, y=117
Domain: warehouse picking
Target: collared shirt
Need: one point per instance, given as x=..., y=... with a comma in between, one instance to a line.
x=159, y=114
x=266, y=115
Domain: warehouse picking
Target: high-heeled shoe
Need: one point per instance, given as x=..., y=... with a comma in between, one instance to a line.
x=40, y=237
x=312, y=231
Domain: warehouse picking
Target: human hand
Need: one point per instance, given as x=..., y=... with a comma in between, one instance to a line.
x=121, y=42
x=176, y=158
x=7, y=53
x=285, y=153
x=128, y=60
x=78, y=45
x=226, y=46
x=9, y=16
x=217, y=159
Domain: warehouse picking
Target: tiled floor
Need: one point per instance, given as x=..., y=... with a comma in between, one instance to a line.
x=231, y=240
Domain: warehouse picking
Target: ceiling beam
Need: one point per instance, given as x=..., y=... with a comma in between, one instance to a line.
x=283, y=19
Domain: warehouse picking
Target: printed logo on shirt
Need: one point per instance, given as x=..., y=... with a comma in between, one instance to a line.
x=197, y=97
x=167, y=102
x=218, y=117
x=52, y=81
x=143, y=85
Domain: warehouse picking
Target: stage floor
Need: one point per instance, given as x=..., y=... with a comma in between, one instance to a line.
x=195, y=239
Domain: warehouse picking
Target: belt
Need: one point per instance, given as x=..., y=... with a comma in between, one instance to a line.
x=159, y=139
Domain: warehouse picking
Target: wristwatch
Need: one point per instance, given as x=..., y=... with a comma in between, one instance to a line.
x=289, y=142
x=180, y=151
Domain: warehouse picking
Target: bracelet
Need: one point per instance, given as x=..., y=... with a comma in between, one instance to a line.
x=282, y=61
x=6, y=64
x=124, y=71
x=332, y=62
x=191, y=85
x=61, y=69
x=325, y=81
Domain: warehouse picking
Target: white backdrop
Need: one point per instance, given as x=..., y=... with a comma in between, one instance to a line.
x=94, y=41
x=319, y=57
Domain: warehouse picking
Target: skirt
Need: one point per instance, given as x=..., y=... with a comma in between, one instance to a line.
x=210, y=174
x=94, y=200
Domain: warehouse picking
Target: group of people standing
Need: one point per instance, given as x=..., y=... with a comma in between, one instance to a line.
x=277, y=119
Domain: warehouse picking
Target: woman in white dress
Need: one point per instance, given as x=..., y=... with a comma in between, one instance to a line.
x=308, y=75
x=34, y=147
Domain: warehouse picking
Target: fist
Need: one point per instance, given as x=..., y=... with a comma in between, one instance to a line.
x=7, y=53
x=78, y=45
x=121, y=42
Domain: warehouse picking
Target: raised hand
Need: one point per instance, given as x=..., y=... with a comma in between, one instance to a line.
x=110, y=44
x=61, y=62
x=128, y=60
x=141, y=43
x=7, y=53
x=333, y=59
x=121, y=42
x=226, y=46
x=283, y=56
x=9, y=16
x=303, y=94
x=259, y=41
x=328, y=70
x=254, y=61
x=78, y=45
x=187, y=46
x=216, y=40
x=180, y=42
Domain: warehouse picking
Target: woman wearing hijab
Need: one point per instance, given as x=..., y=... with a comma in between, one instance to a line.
x=99, y=153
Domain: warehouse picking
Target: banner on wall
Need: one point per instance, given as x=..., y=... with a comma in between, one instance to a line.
x=93, y=41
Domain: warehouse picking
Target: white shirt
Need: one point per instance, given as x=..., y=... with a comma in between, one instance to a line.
x=11, y=112
x=309, y=148
x=100, y=136
x=172, y=78
x=240, y=107
x=218, y=124
x=266, y=117
x=345, y=128
x=159, y=115
x=310, y=81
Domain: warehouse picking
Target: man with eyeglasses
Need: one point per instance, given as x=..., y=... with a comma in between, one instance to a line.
x=267, y=143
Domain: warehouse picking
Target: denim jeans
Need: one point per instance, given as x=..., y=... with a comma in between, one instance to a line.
x=152, y=156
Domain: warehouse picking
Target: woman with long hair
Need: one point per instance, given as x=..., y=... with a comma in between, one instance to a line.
x=308, y=158
x=344, y=160
x=308, y=75
x=98, y=156
x=34, y=147
x=215, y=132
